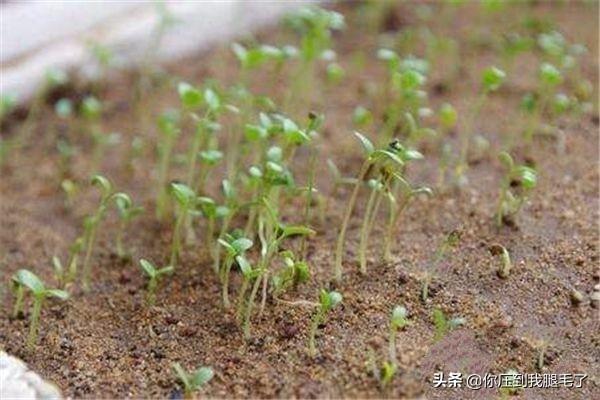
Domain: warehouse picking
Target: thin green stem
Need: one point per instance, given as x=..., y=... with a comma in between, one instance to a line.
x=339, y=249
x=34, y=320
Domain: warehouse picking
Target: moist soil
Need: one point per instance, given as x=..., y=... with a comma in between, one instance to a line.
x=108, y=344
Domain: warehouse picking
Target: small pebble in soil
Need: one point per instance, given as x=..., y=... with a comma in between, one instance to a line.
x=595, y=299
x=288, y=331
x=576, y=297
x=187, y=331
x=176, y=394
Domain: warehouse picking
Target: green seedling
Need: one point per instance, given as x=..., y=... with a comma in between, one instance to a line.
x=385, y=372
x=406, y=78
x=362, y=117
x=126, y=211
x=252, y=58
x=443, y=325
x=291, y=275
x=447, y=118
x=327, y=301
x=210, y=210
x=60, y=273
x=192, y=99
x=398, y=321
x=506, y=263
x=492, y=79
x=335, y=73
x=515, y=186
x=514, y=44
x=544, y=100
x=232, y=206
x=168, y=132
x=271, y=233
x=92, y=222
x=66, y=152
x=235, y=247
x=450, y=241
x=315, y=26
x=187, y=202
x=248, y=275
x=26, y=279
x=193, y=382
x=54, y=78
x=389, y=163
x=154, y=276
x=65, y=276
x=70, y=188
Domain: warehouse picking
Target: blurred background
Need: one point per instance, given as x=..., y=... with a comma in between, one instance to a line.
x=36, y=36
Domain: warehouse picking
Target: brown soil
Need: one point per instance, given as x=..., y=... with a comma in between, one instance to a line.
x=108, y=344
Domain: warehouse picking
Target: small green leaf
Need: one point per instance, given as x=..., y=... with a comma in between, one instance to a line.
x=201, y=377
x=244, y=265
x=30, y=280
x=183, y=194
x=335, y=298
x=366, y=143
x=211, y=157
x=105, y=185
x=190, y=96
x=492, y=79
x=166, y=270
x=212, y=100
x=60, y=294
x=148, y=268
x=297, y=230
x=242, y=244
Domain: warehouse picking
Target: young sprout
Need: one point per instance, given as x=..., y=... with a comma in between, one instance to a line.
x=168, y=133
x=327, y=301
x=26, y=279
x=389, y=163
x=248, y=274
x=335, y=73
x=92, y=222
x=315, y=26
x=362, y=117
x=127, y=212
x=271, y=233
x=54, y=78
x=549, y=78
x=398, y=321
x=386, y=372
x=450, y=241
x=60, y=274
x=405, y=88
x=444, y=325
x=70, y=188
x=515, y=186
x=235, y=247
x=491, y=80
x=186, y=201
x=292, y=274
x=66, y=152
x=514, y=44
x=154, y=276
x=192, y=382
x=506, y=263
x=373, y=156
